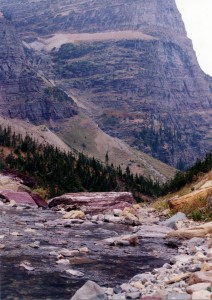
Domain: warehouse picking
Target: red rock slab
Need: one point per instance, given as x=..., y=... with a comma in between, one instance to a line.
x=18, y=197
x=95, y=203
x=39, y=200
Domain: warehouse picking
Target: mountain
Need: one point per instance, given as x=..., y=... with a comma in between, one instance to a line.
x=129, y=65
x=31, y=104
x=25, y=94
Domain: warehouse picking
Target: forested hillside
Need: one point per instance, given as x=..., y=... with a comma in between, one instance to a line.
x=58, y=172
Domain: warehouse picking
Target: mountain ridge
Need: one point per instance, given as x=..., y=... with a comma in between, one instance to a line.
x=149, y=93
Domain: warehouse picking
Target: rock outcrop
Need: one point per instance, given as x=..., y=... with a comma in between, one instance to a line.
x=136, y=73
x=25, y=93
x=94, y=202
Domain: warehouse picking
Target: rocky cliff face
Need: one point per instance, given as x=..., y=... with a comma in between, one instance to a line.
x=135, y=72
x=25, y=94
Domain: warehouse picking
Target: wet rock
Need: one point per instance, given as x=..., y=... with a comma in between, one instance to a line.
x=90, y=291
x=74, y=214
x=74, y=273
x=95, y=203
x=171, y=222
x=27, y=266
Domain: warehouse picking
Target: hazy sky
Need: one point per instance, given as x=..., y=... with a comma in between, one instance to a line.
x=197, y=16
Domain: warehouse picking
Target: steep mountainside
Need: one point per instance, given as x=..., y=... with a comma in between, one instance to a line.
x=27, y=97
x=24, y=93
x=129, y=65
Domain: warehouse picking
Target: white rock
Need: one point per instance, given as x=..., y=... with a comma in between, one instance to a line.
x=201, y=295
x=75, y=273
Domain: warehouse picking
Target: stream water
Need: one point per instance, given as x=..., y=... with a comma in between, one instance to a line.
x=106, y=265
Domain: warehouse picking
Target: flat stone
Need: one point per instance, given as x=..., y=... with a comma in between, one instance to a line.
x=63, y=262
x=178, y=296
x=201, y=295
x=75, y=273
x=69, y=253
x=198, y=287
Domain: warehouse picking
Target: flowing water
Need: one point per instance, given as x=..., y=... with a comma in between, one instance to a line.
x=108, y=266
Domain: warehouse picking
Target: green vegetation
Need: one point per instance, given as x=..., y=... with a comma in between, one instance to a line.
x=181, y=179
x=57, y=172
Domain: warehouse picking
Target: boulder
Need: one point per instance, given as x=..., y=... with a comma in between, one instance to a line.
x=94, y=203
x=188, y=233
x=74, y=214
x=198, y=287
x=90, y=291
x=201, y=295
x=18, y=197
x=171, y=222
x=189, y=199
x=199, y=277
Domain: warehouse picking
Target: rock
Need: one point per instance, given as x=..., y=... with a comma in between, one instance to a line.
x=178, y=296
x=198, y=287
x=191, y=198
x=18, y=197
x=75, y=273
x=171, y=222
x=199, y=277
x=63, y=262
x=90, y=291
x=138, y=285
x=198, y=231
x=69, y=253
x=39, y=200
x=201, y=295
x=2, y=246
x=117, y=212
x=35, y=245
x=74, y=214
x=178, y=278
x=94, y=203
x=151, y=298
x=206, y=267
x=124, y=240
x=135, y=295
x=27, y=266
x=112, y=219
x=153, y=231
x=84, y=250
